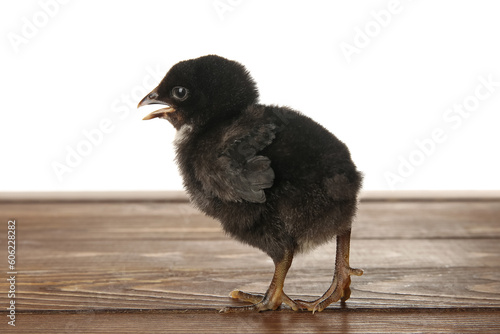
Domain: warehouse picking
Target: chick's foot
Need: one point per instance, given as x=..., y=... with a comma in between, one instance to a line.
x=272, y=300
x=340, y=287
x=274, y=296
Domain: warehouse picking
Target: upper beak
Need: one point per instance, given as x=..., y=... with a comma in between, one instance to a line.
x=152, y=98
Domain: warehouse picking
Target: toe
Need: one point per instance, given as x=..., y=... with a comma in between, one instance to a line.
x=261, y=302
x=236, y=309
x=290, y=302
x=246, y=297
x=356, y=272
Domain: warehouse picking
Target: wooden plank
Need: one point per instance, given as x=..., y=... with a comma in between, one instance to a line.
x=85, y=253
x=195, y=289
x=375, y=220
x=425, y=220
x=333, y=321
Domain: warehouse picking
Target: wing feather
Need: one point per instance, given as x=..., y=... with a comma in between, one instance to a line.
x=240, y=172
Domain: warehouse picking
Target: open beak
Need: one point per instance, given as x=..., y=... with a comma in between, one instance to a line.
x=152, y=98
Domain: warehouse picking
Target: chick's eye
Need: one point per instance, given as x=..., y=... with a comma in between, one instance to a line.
x=180, y=93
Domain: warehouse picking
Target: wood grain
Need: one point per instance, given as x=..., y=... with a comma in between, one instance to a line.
x=208, y=289
x=430, y=266
x=329, y=321
x=375, y=219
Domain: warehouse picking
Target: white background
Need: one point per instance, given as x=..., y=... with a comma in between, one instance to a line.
x=67, y=67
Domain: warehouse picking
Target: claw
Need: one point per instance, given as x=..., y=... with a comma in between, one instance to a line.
x=356, y=272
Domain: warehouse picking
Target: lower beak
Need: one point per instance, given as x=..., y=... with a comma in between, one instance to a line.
x=162, y=113
x=152, y=98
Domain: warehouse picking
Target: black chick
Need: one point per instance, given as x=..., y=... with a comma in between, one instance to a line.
x=274, y=178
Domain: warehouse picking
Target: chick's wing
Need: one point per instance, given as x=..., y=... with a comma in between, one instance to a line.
x=239, y=172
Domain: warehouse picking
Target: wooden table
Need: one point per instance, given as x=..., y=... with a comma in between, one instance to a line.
x=140, y=266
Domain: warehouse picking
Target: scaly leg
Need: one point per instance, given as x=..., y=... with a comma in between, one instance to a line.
x=274, y=296
x=339, y=289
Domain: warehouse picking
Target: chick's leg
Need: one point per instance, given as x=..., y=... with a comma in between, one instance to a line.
x=274, y=296
x=339, y=289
